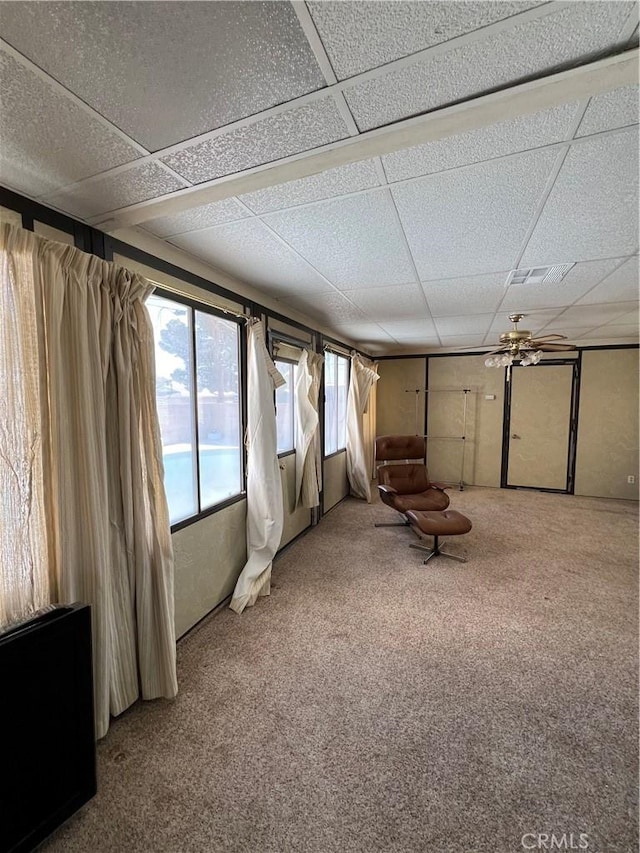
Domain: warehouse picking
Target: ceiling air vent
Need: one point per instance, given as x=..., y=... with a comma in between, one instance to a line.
x=539, y=275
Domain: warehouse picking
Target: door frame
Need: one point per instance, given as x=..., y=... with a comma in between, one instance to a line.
x=576, y=363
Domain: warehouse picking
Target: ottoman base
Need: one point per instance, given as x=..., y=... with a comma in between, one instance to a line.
x=437, y=524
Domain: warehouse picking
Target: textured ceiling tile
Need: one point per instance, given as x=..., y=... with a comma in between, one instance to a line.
x=462, y=340
x=280, y=135
x=46, y=141
x=204, y=216
x=587, y=316
x=164, y=72
x=528, y=48
x=149, y=180
x=592, y=211
x=414, y=329
x=363, y=332
x=473, y=220
x=476, y=294
x=486, y=143
x=467, y=324
x=333, y=182
x=613, y=109
x=610, y=330
x=620, y=286
x=387, y=303
x=359, y=36
x=533, y=321
x=579, y=280
x=332, y=307
x=571, y=334
x=249, y=251
x=630, y=316
x=355, y=242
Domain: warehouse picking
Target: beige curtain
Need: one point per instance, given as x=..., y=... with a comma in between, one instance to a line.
x=369, y=427
x=86, y=495
x=308, y=450
x=363, y=377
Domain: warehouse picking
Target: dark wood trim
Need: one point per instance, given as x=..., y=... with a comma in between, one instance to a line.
x=573, y=432
x=284, y=453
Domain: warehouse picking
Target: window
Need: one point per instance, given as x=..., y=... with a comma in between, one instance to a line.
x=336, y=385
x=198, y=400
x=285, y=406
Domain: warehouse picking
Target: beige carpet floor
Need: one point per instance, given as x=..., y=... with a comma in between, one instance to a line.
x=376, y=704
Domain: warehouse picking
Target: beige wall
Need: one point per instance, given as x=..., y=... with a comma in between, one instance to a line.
x=608, y=424
x=483, y=446
x=396, y=405
x=335, y=483
x=295, y=520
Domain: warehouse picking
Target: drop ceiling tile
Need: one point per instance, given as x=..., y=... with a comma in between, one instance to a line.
x=629, y=318
x=355, y=242
x=592, y=211
x=571, y=334
x=248, y=250
x=462, y=340
x=478, y=294
x=370, y=332
x=332, y=308
x=534, y=321
x=473, y=220
x=363, y=35
x=486, y=143
x=620, y=286
x=333, y=182
x=617, y=108
x=464, y=324
x=528, y=48
x=587, y=316
x=268, y=139
x=46, y=141
x=577, y=282
x=149, y=180
x=614, y=331
x=164, y=72
x=203, y=216
x=418, y=342
x=388, y=303
x=414, y=329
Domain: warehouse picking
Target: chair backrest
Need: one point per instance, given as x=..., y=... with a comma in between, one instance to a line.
x=408, y=479
x=391, y=448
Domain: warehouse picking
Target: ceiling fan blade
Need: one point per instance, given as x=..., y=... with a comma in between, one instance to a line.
x=553, y=337
x=549, y=347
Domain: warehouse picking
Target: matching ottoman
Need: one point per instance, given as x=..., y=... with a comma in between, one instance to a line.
x=436, y=524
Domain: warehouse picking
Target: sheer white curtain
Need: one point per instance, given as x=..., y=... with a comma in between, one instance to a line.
x=81, y=462
x=362, y=378
x=307, y=435
x=265, y=511
x=369, y=427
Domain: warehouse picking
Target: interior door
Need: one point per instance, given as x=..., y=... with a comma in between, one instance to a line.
x=540, y=426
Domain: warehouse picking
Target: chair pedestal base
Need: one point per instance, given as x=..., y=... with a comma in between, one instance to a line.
x=436, y=552
x=391, y=524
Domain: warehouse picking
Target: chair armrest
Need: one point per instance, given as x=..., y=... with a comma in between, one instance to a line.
x=388, y=490
x=440, y=486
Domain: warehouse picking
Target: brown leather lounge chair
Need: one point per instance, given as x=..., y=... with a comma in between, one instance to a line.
x=404, y=484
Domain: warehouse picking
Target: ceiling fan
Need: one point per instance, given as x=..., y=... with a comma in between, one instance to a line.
x=519, y=344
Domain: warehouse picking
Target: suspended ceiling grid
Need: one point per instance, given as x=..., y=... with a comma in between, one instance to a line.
x=109, y=108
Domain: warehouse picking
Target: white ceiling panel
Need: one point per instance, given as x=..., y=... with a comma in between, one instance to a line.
x=463, y=324
x=613, y=331
x=334, y=182
x=388, y=303
x=613, y=109
x=105, y=194
x=486, y=143
x=527, y=48
x=620, y=286
x=371, y=332
x=328, y=307
x=266, y=140
x=46, y=140
x=592, y=211
x=204, y=216
x=472, y=220
x=478, y=294
x=164, y=72
x=363, y=35
x=588, y=316
x=355, y=242
x=629, y=318
x=248, y=250
x=415, y=329
x=462, y=340
x=577, y=282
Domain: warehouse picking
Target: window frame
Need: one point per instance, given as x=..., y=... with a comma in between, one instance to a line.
x=294, y=364
x=203, y=307
x=346, y=358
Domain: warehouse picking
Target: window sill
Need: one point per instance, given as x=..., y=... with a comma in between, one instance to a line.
x=336, y=453
x=186, y=522
x=284, y=453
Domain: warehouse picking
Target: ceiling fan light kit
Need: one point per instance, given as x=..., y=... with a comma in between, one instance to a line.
x=519, y=345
